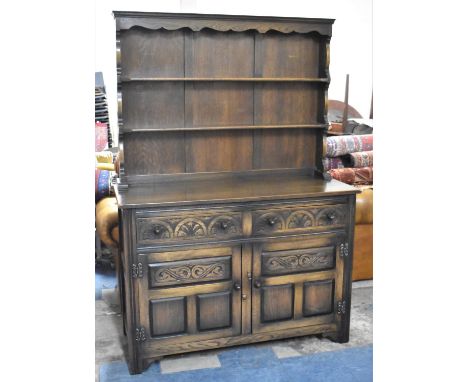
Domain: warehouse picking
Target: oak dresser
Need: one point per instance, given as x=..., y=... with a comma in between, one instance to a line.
x=231, y=233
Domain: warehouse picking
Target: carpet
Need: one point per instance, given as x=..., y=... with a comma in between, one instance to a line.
x=346, y=144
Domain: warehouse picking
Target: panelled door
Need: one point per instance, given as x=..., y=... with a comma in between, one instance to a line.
x=296, y=283
x=189, y=295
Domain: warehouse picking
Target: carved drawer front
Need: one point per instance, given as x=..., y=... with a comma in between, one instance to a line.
x=190, y=227
x=297, y=260
x=298, y=218
x=175, y=273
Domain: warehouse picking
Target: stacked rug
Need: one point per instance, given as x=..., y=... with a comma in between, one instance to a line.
x=349, y=158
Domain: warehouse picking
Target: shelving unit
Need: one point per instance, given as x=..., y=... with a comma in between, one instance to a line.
x=230, y=231
x=237, y=94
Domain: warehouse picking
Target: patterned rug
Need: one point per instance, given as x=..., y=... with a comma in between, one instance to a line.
x=362, y=159
x=353, y=176
x=346, y=144
x=336, y=162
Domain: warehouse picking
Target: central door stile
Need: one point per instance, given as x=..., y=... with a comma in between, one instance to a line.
x=246, y=289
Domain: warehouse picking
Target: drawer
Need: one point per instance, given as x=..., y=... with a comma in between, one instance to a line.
x=297, y=218
x=188, y=226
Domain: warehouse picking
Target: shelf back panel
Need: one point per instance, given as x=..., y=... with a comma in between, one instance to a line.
x=148, y=53
x=151, y=106
x=148, y=153
x=210, y=54
x=291, y=55
x=214, y=54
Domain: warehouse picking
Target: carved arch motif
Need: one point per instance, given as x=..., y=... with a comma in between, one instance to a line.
x=190, y=227
x=222, y=225
x=270, y=221
x=157, y=230
x=330, y=216
x=300, y=219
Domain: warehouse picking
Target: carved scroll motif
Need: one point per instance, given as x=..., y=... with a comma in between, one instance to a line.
x=296, y=262
x=185, y=272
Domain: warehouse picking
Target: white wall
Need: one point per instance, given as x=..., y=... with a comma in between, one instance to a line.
x=351, y=44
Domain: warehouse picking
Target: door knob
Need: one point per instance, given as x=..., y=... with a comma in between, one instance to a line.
x=257, y=283
x=237, y=286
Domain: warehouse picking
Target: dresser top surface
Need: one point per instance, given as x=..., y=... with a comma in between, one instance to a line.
x=228, y=189
x=120, y=14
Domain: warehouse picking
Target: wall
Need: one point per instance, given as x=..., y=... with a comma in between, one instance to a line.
x=351, y=44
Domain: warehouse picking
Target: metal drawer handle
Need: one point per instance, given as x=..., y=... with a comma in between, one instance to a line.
x=224, y=225
x=331, y=215
x=271, y=221
x=157, y=230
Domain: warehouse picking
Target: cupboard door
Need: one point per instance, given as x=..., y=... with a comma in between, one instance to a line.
x=296, y=283
x=189, y=295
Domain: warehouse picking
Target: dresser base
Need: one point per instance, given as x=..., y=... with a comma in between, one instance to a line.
x=328, y=331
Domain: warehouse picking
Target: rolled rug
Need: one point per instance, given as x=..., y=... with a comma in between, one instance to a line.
x=100, y=136
x=353, y=176
x=102, y=184
x=331, y=163
x=362, y=159
x=346, y=144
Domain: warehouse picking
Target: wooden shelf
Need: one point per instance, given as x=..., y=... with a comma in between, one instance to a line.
x=231, y=79
x=246, y=127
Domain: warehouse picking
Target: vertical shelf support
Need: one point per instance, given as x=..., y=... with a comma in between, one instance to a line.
x=122, y=184
x=321, y=145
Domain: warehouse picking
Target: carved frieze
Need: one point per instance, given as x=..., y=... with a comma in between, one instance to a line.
x=296, y=219
x=188, y=227
x=225, y=23
x=310, y=259
x=190, y=271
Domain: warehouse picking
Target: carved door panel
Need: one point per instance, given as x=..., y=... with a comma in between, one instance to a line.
x=189, y=295
x=297, y=283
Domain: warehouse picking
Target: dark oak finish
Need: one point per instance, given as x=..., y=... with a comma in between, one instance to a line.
x=230, y=233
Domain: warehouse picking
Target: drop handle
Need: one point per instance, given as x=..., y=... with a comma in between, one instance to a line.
x=237, y=287
x=257, y=283
x=157, y=230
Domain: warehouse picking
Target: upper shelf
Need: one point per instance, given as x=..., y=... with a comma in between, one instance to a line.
x=234, y=79
x=241, y=127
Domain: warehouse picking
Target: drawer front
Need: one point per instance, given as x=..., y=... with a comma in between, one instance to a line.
x=298, y=218
x=189, y=227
